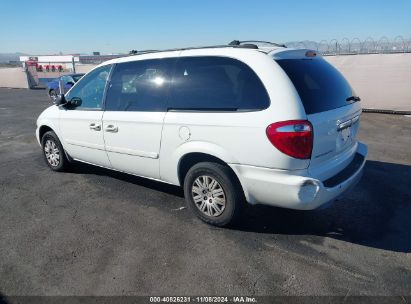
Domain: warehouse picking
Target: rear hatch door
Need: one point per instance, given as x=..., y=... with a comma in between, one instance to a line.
x=331, y=106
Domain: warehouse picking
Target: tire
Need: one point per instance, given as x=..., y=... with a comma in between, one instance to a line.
x=216, y=183
x=53, y=95
x=53, y=152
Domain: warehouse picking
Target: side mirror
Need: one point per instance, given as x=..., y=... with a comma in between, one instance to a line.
x=70, y=83
x=60, y=100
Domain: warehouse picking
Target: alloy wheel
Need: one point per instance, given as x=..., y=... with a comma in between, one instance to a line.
x=52, y=153
x=208, y=195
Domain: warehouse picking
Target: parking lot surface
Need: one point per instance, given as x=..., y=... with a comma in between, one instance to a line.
x=96, y=232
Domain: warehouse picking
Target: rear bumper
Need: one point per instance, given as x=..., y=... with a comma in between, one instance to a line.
x=296, y=189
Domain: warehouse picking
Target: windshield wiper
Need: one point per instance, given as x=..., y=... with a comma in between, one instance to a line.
x=353, y=98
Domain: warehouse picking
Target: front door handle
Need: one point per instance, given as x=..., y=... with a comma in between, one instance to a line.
x=95, y=127
x=111, y=128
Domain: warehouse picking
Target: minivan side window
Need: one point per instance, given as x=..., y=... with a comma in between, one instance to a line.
x=216, y=83
x=90, y=89
x=139, y=86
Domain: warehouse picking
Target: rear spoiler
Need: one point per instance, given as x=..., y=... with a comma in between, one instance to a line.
x=294, y=54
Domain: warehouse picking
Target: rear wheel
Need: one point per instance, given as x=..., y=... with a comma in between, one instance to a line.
x=53, y=152
x=213, y=193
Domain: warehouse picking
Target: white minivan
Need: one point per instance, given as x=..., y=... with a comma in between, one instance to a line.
x=236, y=124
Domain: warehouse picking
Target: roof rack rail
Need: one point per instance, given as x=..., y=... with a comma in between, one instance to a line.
x=135, y=52
x=254, y=42
x=250, y=46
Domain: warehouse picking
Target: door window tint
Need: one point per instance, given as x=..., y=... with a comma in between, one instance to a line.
x=139, y=86
x=90, y=89
x=321, y=86
x=216, y=83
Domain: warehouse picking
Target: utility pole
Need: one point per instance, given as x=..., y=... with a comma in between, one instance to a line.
x=74, y=66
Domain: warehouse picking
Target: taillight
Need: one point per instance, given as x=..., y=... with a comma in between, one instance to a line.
x=292, y=137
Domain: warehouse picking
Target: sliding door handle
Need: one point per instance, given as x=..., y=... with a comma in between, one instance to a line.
x=111, y=128
x=95, y=127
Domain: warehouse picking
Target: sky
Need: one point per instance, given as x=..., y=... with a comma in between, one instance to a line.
x=113, y=26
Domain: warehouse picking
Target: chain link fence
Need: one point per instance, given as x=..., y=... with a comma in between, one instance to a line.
x=354, y=46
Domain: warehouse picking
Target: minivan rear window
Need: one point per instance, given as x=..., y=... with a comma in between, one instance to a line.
x=321, y=86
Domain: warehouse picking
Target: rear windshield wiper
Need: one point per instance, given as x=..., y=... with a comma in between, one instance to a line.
x=353, y=98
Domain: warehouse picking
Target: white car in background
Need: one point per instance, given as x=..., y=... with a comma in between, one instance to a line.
x=232, y=125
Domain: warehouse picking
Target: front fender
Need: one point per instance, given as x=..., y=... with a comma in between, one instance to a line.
x=49, y=118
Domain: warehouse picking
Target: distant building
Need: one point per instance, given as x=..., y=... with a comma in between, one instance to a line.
x=43, y=68
x=66, y=62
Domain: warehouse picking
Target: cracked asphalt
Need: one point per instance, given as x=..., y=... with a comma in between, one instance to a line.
x=96, y=232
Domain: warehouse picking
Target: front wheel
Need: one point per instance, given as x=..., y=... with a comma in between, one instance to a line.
x=214, y=194
x=53, y=152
